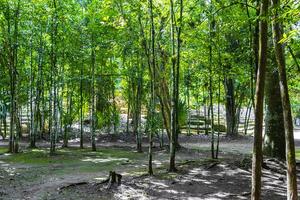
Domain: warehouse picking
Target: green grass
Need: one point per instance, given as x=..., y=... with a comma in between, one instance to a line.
x=3, y=150
x=71, y=156
x=74, y=160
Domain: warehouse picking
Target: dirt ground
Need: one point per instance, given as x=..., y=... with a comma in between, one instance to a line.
x=198, y=177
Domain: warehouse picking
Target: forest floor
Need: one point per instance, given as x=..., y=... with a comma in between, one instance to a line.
x=75, y=173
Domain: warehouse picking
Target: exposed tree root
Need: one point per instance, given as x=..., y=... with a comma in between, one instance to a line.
x=72, y=185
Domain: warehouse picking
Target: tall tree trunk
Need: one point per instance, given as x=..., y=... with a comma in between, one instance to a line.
x=39, y=88
x=219, y=128
x=137, y=110
x=274, y=144
x=205, y=111
x=178, y=56
x=13, y=63
x=81, y=105
x=211, y=29
x=252, y=54
x=172, y=167
x=175, y=129
x=12, y=86
x=53, y=88
x=32, y=104
x=152, y=104
x=188, y=102
x=93, y=59
x=292, y=193
x=260, y=84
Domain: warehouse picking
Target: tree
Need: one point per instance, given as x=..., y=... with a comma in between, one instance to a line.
x=53, y=121
x=274, y=144
x=287, y=114
x=260, y=83
x=175, y=59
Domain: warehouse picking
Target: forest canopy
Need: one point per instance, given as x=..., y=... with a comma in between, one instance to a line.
x=159, y=70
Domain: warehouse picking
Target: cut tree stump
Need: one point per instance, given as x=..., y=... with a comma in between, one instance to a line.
x=113, y=179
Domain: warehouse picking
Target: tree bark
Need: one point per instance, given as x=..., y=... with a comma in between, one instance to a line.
x=292, y=193
x=153, y=81
x=274, y=144
x=174, y=104
x=260, y=83
x=53, y=89
x=92, y=128
x=230, y=106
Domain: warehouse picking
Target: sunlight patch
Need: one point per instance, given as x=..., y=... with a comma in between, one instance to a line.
x=173, y=191
x=100, y=179
x=127, y=192
x=157, y=163
x=103, y=160
x=10, y=170
x=38, y=150
x=159, y=184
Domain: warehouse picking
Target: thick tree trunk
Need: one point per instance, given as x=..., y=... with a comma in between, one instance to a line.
x=260, y=84
x=292, y=193
x=230, y=107
x=274, y=144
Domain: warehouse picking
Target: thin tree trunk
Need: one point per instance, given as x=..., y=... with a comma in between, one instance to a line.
x=178, y=56
x=247, y=117
x=93, y=97
x=294, y=57
x=39, y=88
x=81, y=105
x=152, y=104
x=137, y=118
x=219, y=102
x=251, y=60
x=129, y=100
x=260, y=83
x=211, y=91
x=172, y=167
x=53, y=88
x=188, y=102
x=206, y=116
x=32, y=108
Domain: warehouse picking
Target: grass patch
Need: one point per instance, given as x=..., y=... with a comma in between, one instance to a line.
x=3, y=150
x=72, y=156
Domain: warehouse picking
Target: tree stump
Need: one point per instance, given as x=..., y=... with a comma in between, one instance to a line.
x=113, y=179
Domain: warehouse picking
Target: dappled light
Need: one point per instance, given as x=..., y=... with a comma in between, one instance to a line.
x=152, y=99
x=103, y=160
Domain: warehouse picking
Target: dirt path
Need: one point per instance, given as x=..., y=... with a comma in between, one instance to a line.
x=228, y=179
